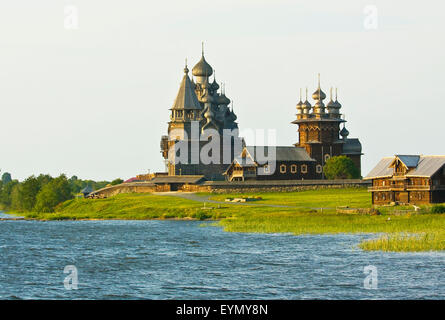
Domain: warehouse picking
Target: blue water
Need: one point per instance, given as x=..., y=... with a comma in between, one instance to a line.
x=181, y=260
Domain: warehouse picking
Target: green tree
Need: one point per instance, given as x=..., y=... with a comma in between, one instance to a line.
x=15, y=203
x=341, y=167
x=28, y=192
x=116, y=181
x=54, y=192
x=6, y=178
x=5, y=193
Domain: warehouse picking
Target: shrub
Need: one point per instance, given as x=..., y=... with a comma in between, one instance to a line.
x=200, y=215
x=438, y=208
x=341, y=167
x=116, y=181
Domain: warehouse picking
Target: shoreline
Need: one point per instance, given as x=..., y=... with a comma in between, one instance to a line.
x=403, y=242
x=401, y=229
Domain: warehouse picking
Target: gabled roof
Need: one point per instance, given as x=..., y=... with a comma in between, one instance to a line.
x=408, y=161
x=252, y=156
x=261, y=153
x=186, y=97
x=426, y=166
x=245, y=159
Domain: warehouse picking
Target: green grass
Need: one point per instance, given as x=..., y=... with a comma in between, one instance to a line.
x=421, y=231
x=128, y=207
x=331, y=223
x=322, y=198
x=428, y=241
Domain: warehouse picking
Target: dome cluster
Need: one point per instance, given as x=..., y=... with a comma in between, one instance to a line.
x=214, y=106
x=331, y=110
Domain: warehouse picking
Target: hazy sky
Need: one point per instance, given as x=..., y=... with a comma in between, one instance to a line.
x=93, y=101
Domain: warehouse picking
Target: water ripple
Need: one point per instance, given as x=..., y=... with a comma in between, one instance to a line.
x=180, y=260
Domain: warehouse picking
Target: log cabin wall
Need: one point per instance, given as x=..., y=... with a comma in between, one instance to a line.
x=420, y=181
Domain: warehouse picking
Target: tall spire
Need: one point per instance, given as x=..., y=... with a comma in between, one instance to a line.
x=319, y=95
x=338, y=104
x=202, y=48
x=306, y=105
x=299, y=106
x=215, y=85
x=186, y=69
x=186, y=97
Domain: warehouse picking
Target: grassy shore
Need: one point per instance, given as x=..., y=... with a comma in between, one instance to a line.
x=408, y=232
x=322, y=198
x=128, y=207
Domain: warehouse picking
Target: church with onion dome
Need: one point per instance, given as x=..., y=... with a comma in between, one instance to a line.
x=202, y=132
x=203, y=138
x=319, y=130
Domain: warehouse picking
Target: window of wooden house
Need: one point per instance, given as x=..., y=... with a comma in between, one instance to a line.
x=319, y=168
x=283, y=168
x=304, y=168
x=384, y=196
x=293, y=168
x=266, y=168
x=327, y=157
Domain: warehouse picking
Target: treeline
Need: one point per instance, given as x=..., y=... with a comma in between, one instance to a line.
x=42, y=193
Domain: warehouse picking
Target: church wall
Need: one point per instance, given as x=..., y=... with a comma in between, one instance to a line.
x=284, y=170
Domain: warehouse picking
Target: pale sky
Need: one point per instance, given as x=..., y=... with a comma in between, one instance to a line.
x=93, y=101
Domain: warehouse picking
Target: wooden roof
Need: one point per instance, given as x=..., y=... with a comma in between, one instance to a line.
x=426, y=166
x=178, y=179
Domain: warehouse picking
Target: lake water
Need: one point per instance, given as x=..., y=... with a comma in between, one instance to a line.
x=183, y=260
